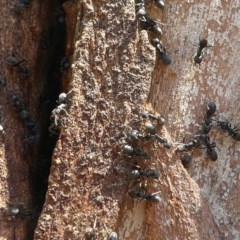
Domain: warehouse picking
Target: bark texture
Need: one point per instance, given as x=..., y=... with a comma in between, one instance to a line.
x=19, y=37
x=115, y=74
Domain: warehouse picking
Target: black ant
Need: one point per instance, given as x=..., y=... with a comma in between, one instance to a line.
x=17, y=102
x=22, y=70
x=3, y=82
x=188, y=146
x=64, y=64
x=150, y=116
x=129, y=150
x=22, y=4
x=144, y=196
x=164, y=141
x=135, y=136
x=148, y=24
x=232, y=131
x=29, y=121
x=162, y=51
x=203, y=43
x=148, y=173
x=207, y=125
x=209, y=146
x=211, y=108
x=31, y=126
x=186, y=160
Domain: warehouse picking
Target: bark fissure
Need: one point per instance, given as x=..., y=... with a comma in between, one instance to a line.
x=51, y=75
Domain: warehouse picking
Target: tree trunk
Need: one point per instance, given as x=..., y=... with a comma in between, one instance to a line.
x=117, y=73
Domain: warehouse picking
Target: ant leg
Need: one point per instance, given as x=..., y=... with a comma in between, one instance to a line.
x=14, y=228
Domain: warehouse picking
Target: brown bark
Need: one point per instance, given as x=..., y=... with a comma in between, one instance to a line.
x=115, y=74
x=19, y=37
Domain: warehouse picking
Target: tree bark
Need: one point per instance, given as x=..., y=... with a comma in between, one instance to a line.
x=115, y=74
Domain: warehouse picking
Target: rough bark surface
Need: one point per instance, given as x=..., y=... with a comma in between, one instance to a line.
x=19, y=37
x=115, y=74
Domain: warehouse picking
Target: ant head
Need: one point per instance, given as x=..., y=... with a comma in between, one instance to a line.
x=186, y=160
x=211, y=108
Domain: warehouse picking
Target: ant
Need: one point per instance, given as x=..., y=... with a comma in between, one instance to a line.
x=148, y=24
x=164, y=141
x=188, y=146
x=22, y=70
x=29, y=121
x=150, y=116
x=162, y=51
x=209, y=146
x=129, y=150
x=17, y=102
x=186, y=160
x=207, y=125
x=224, y=124
x=56, y=115
x=64, y=64
x=211, y=108
x=3, y=82
x=134, y=135
x=144, y=196
x=31, y=126
x=203, y=43
x=148, y=173
x=22, y=4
